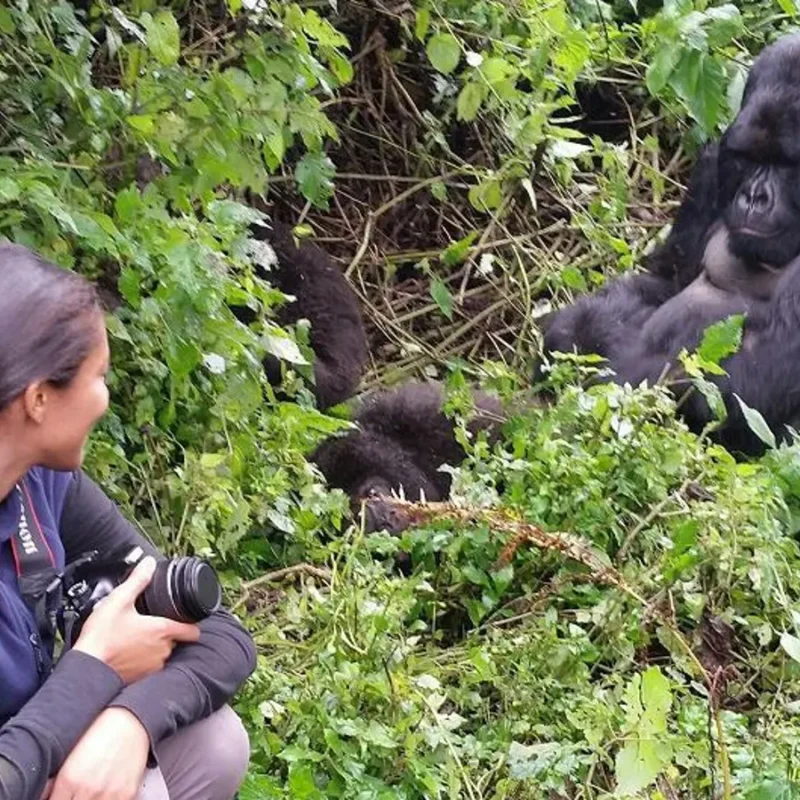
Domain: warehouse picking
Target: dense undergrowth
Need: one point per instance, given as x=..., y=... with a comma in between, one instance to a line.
x=612, y=608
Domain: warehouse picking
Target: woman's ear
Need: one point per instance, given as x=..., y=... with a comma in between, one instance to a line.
x=34, y=401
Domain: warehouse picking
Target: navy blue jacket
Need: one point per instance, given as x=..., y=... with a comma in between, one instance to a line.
x=41, y=723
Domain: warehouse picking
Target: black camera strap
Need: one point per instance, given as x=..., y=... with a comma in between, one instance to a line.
x=37, y=572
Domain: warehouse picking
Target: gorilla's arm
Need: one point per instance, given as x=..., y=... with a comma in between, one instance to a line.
x=604, y=322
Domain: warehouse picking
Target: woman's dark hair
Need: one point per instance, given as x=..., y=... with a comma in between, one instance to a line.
x=45, y=322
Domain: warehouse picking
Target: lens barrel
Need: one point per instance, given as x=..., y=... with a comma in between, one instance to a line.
x=185, y=589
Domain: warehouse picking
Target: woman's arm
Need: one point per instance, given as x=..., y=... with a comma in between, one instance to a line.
x=35, y=742
x=199, y=677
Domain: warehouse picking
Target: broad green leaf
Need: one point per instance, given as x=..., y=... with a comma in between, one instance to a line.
x=661, y=67
x=341, y=67
x=735, y=87
x=129, y=286
x=496, y=69
x=458, y=251
x=442, y=297
x=284, y=348
x=314, y=174
x=647, y=700
x=573, y=277
x=128, y=25
x=212, y=460
x=699, y=80
x=791, y=644
x=163, y=37
x=486, y=195
x=713, y=397
x=637, y=765
x=301, y=782
x=274, y=148
x=144, y=123
x=378, y=735
x=444, y=52
x=7, y=24
x=721, y=339
x=117, y=329
x=656, y=699
x=322, y=30
x=422, y=24
x=757, y=423
x=9, y=190
x=439, y=190
x=724, y=23
x=229, y=212
x=469, y=101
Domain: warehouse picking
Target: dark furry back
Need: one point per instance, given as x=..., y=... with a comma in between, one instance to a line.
x=328, y=302
x=403, y=437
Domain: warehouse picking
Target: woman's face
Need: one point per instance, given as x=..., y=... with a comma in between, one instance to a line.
x=71, y=412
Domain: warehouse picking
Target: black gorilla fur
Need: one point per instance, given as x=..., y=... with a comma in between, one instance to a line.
x=733, y=249
x=403, y=437
x=323, y=297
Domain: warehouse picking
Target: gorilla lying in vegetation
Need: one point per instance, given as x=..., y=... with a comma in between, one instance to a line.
x=403, y=437
x=733, y=249
x=324, y=297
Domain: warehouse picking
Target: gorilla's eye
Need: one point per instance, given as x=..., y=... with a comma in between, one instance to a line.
x=373, y=493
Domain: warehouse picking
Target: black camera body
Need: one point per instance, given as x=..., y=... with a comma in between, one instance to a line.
x=185, y=589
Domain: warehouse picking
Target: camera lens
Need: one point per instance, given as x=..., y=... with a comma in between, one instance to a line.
x=184, y=589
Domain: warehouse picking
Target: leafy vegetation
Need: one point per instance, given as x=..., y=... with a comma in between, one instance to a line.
x=613, y=606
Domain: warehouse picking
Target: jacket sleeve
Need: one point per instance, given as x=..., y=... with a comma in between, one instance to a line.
x=36, y=742
x=201, y=676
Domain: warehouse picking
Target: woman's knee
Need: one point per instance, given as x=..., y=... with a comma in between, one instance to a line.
x=226, y=746
x=207, y=760
x=231, y=747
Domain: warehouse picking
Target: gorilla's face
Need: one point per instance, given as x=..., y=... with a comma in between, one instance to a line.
x=380, y=514
x=759, y=163
x=761, y=208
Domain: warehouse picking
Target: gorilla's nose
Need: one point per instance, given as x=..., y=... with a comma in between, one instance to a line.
x=756, y=196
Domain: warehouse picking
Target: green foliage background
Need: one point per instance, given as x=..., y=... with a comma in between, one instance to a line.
x=536, y=679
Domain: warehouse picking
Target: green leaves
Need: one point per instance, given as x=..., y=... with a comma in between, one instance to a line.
x=444, y=52
x=720, y=340
x=163, y=37
x=699, y=80
x=442, y=297
x=757, y=423
x=486, y=195
x=791, y=645
x=469, y=101
x=314, y=174
x=686, y=59
x=647, y=752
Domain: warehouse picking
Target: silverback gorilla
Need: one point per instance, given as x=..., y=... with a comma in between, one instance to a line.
x=323, y=297
x=733, y=249
x=403, y=437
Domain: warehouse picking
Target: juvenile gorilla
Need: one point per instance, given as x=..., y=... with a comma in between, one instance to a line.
x=733, y=249
x=324, y=297
x=403, y=437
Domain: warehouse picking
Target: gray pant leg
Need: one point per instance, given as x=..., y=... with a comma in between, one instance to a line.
x=204, y=761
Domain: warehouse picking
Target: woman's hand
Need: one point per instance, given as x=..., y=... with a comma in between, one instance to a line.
x=134, y=645
x=109, y=761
